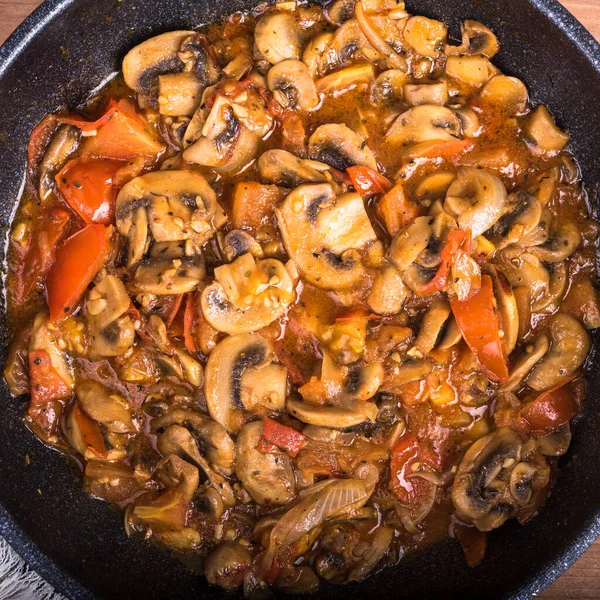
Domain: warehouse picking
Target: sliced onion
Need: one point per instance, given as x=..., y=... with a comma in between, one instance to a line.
x=379, y=546
x=427, y=476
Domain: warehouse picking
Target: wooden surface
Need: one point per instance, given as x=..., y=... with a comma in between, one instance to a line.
x=582, y=580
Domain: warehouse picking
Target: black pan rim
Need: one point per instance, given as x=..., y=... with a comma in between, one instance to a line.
x=62, y=580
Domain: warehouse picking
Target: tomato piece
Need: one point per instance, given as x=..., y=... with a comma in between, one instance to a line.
x=286, y=438
x=189, y=324
x=122, y=135
x=88, y=187
x=368, y=182
x=480, y=324
x=38, y=257
x=90, y=432
x=457, y=240
x=449, y=150
x=549, y=411
x=78, y=260
x=355, y=314
x=85, y=125
x=396, y=210
x=293, y=135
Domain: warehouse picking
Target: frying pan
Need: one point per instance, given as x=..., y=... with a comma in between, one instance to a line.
x=68, y=48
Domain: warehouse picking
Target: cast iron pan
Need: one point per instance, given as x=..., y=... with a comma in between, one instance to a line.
x=67, y=48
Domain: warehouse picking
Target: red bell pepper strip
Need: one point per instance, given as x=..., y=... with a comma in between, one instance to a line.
x=396, y=210
x=356, y=314
x=87, y=126
x=285, y=438
x=368, y=182
x=77, y=262
x=480, y=324
x=38, y=255
x=88, y=187
x=457, y=240
x=549, y=411
x=189, y=322
x=90, y=432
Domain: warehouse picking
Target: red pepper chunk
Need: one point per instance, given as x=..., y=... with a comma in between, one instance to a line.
x=404, y=454
x=480, y=324
x=368, y=182
x=77, y=262
x=88, y=187
x=285, y=438
x=549, y=411
x=89, y=430
x=189, y=322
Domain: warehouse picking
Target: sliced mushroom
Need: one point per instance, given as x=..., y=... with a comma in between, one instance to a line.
x=557, y=288
x=542, y=132
x=108, y=408
x=111, y=329
x=480, y=492
x=179, y=94
x=163, y=276
x=340, y=147
x=322, y=234
x=477, y=199
x=424, y=123
x=247, y=294
x=335, y=417
x=156, y=56
x=217, y=447
x=470, y=70
x=171, y=205
x=388, y=294
x=476, y=39
x=507, y=307
x=570, y=343
x=227, y=564
x=425, y=36
x=556, y=443
x=292, y=85
x=525, y=269
x=315, y=53
x=277, y=37
x=237, y=242
x=416, y=94
x=523, y=364
x=410, y=242
x=432, y=325
x=62, y=146
x=283, y=168
x=520, y=221
x=564, y=241
x=344, y=80
x=267, y=476
x=230, y=384
x=507, y=93
x=174, y=472
x=339, y=11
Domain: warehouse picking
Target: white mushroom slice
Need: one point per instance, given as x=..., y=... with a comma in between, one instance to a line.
x=316, y=52
x=237, y=242
x=507, y=307
x=476, y=39
x=292, y=85
x=164, y=277
x=247, y=294
x=340, y=147
x=179, y=94
x=178, y=205
x=542, y=132
x=388, y=294
x=506, y=93
x=174, y=472
x=268, y=477
x=477, y=199
x=42, y=338
x=156, y=56
x=388, y=88
x=530, y=356
x=111, y=330
x=556, y=443
x=426, y=36
x=470, y=70
x=277, y=37
x=426, y=93
x=108, y=408
x=344, y=80
x=284, y=168
x=424, y=123
x=228, y=365
x=432, y=325
x=348, y=43
x=564, y=241
x=410, y=242
x=62, y=146
x=322, y=234
x=339, y=11
x=570, y=344
x=216, y=444
x=335, y=417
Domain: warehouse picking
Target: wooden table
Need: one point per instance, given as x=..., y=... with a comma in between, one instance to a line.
x=582, y=580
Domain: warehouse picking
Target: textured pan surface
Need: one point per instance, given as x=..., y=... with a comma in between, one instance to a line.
x=67, y=48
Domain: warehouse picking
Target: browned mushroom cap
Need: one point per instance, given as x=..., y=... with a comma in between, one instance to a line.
x=247, y=294
x=163, y=276
x=108, y=408
x=388, y=294
x=62, y=146
x=523, y=364
x=240, y=374
x=426, y=93
x=238, y=242
x=424, y=123
x=480, y=492
x=425, y=36
x=171, y=206
x=564, y=240
x=340, y=147
x=316, y=52
x=507, y=93
x=267, y=476
x=174, y=472
x=542, y=132
x=432, y=326
x=570, y=343
x=292, y=85
x=284, y=168
x=339, y=11
x=277, y=37
x=322, y=234
x=476, y=39
x=409, y=242
x=226, y=565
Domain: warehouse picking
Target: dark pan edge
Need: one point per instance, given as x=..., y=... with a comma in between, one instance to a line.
x=61, y=579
